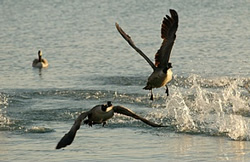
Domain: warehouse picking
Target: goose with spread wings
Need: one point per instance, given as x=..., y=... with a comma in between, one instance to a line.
x=99, y=115
x=162, y=73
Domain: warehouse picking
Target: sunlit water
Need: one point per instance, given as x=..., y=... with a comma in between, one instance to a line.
x=208, y=110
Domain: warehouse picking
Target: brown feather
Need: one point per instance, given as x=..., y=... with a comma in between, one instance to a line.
x=168, y=30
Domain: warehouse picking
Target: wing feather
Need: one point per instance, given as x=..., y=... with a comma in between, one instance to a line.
x=168, y=34
x=128, y=112
x=68, y=138
x=131, y=43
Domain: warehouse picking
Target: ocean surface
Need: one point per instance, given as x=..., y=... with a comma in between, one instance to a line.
x=208, y=110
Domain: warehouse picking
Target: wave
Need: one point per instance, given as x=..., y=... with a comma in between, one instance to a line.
x=37, y=129
x=196, y=105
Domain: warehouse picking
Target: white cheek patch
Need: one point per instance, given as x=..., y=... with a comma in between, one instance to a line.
x=109, y=108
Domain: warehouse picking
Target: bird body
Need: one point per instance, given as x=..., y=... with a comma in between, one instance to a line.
x=99, y=115
x=158, y=79
x=38, y=64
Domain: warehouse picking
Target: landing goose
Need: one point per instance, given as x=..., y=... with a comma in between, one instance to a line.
x=99, y=115
x=40, y=62
x=162, y=73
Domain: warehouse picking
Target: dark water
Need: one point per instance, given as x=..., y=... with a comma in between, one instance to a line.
x=208, y=110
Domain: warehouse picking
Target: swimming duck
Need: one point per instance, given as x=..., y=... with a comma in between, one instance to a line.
x=99, y=115
x=40, y=62
x=162, y=73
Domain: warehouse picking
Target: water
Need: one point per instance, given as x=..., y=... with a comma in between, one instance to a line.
x=208, y=110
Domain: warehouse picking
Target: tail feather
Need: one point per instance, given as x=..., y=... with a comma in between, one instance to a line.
x=148, y=87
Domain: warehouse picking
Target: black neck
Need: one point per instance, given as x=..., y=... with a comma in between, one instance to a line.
x=168, y=67
x=165, y=70
x=40, y=58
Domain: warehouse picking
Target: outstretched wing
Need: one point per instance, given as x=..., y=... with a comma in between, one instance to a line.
x=127, y=112
x=69, y=137
x=168, y=30
x=131, y=43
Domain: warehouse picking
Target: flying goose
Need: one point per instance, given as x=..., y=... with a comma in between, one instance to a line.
x=162, y=73
x=40, y=62
x=99, y=115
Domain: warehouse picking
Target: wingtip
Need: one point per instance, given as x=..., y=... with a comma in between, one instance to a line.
x=66, y=140
x=116, y=24
x=58, y=147
x=172, y=11
x=61, y=144
x=118, y=27
x=174, y=14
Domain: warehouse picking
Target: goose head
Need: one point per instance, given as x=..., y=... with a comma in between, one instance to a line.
x=106, y=106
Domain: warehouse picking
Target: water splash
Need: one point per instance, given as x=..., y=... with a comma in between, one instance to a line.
x=217, y=109
x=5, y=122
x=4, y=100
